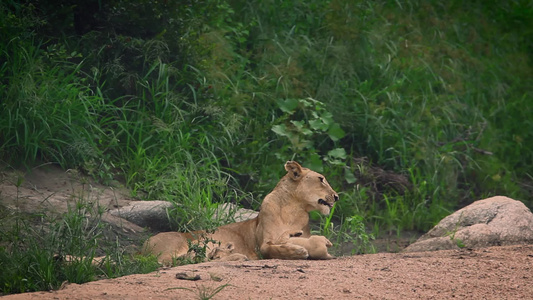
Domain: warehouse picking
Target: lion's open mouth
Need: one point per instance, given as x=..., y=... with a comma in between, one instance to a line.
x=323, y=202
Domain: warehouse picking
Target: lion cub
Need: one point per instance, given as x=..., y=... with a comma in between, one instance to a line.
x=316, y=245
x=219, y=253
x=170, y=246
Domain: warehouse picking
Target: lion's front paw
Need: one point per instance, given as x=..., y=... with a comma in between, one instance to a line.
x=319, y=239
x=294, y=252
x=328, y=243
x=301, y=253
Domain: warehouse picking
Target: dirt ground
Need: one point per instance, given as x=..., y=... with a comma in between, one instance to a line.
x=491, y=273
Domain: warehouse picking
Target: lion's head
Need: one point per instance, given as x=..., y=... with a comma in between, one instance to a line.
x=312, y=188
x=220, y=251
x=225, y=253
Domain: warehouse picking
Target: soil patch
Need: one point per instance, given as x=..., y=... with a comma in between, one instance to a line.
x=491, y=273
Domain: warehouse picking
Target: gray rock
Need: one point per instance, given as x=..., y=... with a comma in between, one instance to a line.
x=490, y=222
x=227, y=210
x=152, y=214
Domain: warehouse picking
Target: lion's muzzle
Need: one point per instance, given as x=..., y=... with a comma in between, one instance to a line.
x=324, y=202
x=329, y=201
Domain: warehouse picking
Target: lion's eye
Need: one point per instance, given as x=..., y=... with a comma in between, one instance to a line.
x=321, y=179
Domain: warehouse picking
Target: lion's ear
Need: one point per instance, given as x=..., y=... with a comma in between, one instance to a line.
x=294, y=169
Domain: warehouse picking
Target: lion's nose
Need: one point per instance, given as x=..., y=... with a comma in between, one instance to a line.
x=336, y=197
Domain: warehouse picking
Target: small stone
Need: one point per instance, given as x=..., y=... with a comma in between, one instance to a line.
x=185, y=276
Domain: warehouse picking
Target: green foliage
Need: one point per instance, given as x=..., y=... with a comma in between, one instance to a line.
x=43, y=258
x=204, y=292
x=350, y=233
x=46, y=111
x=199, y=248
x=32, y=259
x=116, y=264
x=361, y=243
x=307, y=124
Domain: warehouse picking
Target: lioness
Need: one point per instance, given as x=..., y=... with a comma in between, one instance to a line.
x=284, y=213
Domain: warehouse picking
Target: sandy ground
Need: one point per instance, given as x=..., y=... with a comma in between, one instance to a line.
x=492, y=273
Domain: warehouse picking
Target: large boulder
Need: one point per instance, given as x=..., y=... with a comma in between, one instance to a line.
x=490, y=222
x=237, y=214
x=154, y=214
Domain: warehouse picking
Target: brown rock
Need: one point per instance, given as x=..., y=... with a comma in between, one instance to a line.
x=490, y=222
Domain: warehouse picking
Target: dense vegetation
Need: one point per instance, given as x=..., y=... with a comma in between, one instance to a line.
x=412, y=109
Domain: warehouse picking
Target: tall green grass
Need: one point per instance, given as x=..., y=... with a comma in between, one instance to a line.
x=43, y=251
x=47, y=112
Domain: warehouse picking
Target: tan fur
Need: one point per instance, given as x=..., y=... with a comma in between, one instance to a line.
x=225, y=253
x=167, y=246
x=284, y=214
x=316, y=245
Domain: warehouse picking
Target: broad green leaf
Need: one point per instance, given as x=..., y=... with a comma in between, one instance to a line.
x=288, y=105
x=335, y=132
x=337, y=162
x=298, y=124
x=313, y=101
x=280, y=130
x=307, y=131
x=318, y=125
x=348, y=176
x=337, y=153
x=299, y=143
x=327, y=118
x=315, y=163
x=305, y=102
